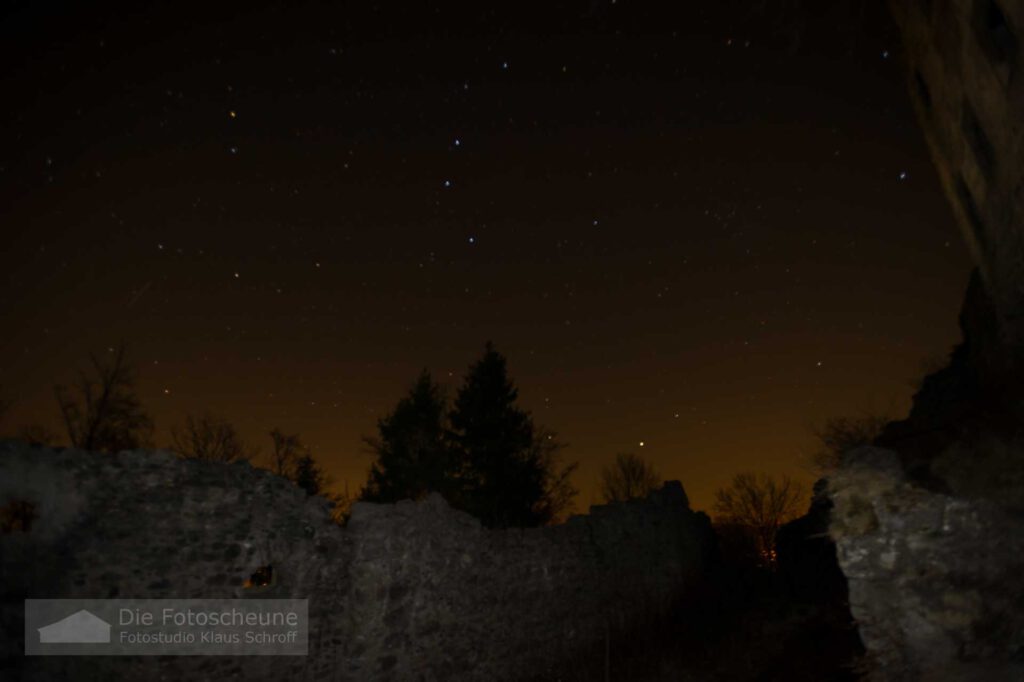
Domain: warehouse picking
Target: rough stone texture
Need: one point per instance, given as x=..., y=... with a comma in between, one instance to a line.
x=415, y=590
x=930, y=539
x=965, y=71
x=965, y=400
x=965, y=61
x=936, y=582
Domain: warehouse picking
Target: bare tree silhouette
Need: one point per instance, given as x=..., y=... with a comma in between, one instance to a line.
x=101, y=411
x=288, y=449
x=560, y=493
x=629, y=477
x=209, y=438
x=294, y=460
x=760, y=504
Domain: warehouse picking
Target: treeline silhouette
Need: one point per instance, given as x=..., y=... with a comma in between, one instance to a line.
x=482, y=452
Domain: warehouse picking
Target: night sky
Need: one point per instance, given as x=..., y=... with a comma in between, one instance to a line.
x=681, y=226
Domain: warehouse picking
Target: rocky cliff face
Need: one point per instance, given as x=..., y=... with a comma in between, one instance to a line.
x=936, y=581
x=929, y=531
x=415, y=590
x=974, y=396
x=964, y=60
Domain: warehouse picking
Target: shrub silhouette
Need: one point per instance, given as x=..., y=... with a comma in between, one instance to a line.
x=209, y=438
x=839, y=435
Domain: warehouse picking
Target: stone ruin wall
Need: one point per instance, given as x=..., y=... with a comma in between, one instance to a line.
x=414, y=590
x=936, y=581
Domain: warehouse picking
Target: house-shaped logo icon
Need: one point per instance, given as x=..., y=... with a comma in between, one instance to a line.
x=80, y=627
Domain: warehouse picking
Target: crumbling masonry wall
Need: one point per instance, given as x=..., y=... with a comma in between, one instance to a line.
x=415, y=590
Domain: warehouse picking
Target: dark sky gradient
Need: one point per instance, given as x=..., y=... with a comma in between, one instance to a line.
x=675, y=236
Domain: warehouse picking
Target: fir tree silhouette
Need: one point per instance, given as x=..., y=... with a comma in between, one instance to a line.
x=413, y=456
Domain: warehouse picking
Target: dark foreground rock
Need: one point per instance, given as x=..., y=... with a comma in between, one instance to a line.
x=413, y=591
